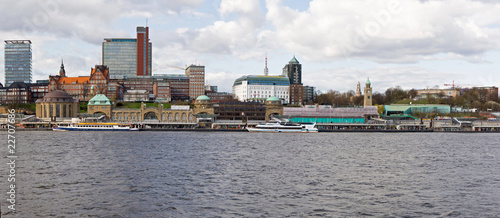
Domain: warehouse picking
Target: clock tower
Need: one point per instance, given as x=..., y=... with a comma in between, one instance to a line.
x=368, y=93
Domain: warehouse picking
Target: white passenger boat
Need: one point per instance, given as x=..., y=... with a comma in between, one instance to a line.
x=95, y=127
x=285, y=128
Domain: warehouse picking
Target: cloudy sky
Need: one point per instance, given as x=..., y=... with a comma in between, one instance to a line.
x=411, y=43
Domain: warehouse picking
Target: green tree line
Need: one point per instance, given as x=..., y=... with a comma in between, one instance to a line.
x=472, y=98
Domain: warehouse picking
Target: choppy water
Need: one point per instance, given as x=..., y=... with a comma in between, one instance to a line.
x=212, y=174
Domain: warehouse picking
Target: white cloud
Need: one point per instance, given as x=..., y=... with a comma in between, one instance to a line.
x=381, y=77
x=386, y=31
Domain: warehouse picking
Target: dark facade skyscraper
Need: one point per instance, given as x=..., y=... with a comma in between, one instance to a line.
x=17, y=61
x=127, y=56
x=293, y=70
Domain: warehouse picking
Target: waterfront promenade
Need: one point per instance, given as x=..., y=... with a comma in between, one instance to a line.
x=401, y=126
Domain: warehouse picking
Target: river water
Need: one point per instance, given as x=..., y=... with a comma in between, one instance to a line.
x=240, y=174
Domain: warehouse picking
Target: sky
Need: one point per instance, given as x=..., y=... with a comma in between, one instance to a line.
x=412, y=43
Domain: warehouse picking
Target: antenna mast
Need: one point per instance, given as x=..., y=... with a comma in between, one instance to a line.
x=266, y=71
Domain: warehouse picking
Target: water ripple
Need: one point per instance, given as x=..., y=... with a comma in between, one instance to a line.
x=204, y=174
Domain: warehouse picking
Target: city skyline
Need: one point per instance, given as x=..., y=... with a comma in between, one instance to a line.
x=413, y=44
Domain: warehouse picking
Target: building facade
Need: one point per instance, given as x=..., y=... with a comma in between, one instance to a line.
x=326, y=114
x=258, y=88
x=22, y=93
x=143, y=52
x=17, y=61
x=178, y=84
x=240, y=111
x=293, y=70
x=424, y=93
x=57, y=104
x=161, y=90
x=128, y=56
x=309, y=95
x=82, y=88
x=196, y=76
x=100, y=104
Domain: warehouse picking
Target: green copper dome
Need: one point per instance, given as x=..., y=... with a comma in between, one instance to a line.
x=203, y=98
x=294, y=60
x=273, y=98
x=368, y=81
x=99, y=99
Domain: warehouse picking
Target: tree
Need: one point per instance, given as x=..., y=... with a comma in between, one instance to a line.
x=358, y=100
x=395, y=94
x=412, y=93
x=378, y=98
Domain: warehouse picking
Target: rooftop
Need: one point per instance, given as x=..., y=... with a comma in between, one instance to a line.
x=273, y=98
x=263, y=80
x=57, y=96
x=203, y=98
x=99, y=99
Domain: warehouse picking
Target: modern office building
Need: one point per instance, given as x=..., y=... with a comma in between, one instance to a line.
x=196, y=76
x=258, y=88
x=143, y=52
x=178, y=84
x=293, y=70
x=309, y=94
x=128, y=56
x=17, y=61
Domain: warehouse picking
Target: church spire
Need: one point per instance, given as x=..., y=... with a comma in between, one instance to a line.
x=62, y=72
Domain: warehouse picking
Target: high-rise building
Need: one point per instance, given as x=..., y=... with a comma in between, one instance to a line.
x=17, y=61
x=196, y=76
x=143, y=52
x=293, y=70
x=128, y=57
x=309, y=95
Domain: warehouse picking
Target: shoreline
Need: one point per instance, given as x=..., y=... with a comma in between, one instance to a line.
x=244, y=130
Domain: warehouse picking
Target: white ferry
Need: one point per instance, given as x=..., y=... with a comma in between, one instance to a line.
x=284, y=127
x=95, y=127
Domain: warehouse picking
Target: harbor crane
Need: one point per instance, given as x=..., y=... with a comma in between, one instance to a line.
x=453, y=85
x=180, y=68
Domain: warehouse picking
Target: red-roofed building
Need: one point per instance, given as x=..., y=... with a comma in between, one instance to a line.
x=84, y=88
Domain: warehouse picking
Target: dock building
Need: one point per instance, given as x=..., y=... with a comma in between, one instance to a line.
x=324, y=114
x=396, y=110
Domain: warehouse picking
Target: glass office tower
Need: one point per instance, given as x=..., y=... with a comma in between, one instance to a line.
x=128, y=56
x=17, y=61
x=120, y=55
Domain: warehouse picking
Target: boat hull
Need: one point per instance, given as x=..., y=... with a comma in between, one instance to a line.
x=283, y=130
x=92, y=129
